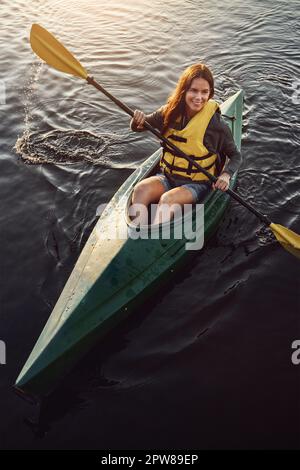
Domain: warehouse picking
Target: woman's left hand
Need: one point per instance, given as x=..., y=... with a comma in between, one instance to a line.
x=222, y=182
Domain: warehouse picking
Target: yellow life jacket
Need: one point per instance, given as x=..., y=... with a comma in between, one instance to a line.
x=190, y=141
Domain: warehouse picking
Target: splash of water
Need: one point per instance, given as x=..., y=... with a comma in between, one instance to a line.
x=68, y=146
x=40, y=146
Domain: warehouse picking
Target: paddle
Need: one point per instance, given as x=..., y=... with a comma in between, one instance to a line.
x=49, y=49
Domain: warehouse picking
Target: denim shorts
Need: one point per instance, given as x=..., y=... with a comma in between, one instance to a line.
x=199, y=190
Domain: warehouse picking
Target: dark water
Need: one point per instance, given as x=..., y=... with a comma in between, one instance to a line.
x=207, y=363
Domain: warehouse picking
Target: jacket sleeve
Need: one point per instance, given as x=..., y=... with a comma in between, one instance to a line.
x=155, y=119
x=230, y=150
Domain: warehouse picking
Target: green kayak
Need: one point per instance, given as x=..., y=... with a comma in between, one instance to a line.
x=115, y=274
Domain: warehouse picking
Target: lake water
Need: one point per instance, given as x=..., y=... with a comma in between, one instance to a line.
x=207, y=363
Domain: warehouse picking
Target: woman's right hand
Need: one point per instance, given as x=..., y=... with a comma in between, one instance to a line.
x=139, y=118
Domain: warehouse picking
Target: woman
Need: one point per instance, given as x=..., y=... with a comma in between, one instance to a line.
x=192, y=120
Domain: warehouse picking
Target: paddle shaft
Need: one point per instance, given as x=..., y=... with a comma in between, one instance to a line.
x=154, y=131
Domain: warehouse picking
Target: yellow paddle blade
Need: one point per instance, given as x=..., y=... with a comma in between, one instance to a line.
x=287, y=238
x=54, y=53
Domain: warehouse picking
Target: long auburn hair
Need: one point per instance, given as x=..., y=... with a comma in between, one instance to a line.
x=176, y=102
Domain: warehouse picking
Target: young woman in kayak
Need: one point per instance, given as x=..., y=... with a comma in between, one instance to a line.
x=192, y=120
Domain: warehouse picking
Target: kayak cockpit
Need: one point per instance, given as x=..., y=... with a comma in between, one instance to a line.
x=130, y=216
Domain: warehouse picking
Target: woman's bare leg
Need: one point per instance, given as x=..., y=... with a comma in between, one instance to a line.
x=175, y=197
x=146, y=192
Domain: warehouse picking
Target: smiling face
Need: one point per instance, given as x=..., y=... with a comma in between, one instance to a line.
x=196, y=96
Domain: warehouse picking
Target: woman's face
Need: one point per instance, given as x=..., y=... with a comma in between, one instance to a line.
x=196, y=96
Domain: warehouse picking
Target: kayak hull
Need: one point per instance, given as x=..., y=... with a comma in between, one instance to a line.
x=114, y=274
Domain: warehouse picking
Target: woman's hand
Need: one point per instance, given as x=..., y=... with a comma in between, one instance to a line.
x=222, y=182
x=139, y=118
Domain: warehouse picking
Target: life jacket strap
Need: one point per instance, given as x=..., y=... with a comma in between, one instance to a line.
x=168, y=149
x=191, y=169
x=177, y=138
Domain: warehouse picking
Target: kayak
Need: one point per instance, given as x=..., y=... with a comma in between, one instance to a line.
x=114, y=274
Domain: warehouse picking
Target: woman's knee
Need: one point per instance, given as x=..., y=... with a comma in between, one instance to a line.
x=168, y=198
x=141, y=192
x=147, y=191
x=176, y=196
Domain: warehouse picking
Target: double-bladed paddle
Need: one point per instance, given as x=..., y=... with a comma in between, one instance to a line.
x=50, y=50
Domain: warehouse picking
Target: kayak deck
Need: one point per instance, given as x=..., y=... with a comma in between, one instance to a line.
x=113, y=275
